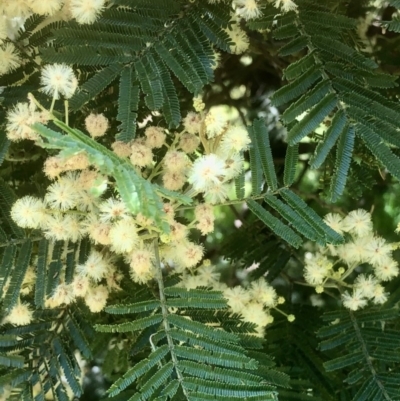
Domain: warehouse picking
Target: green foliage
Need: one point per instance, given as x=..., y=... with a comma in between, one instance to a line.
x=369, y=344
x=333, y=80
x=155, y=44
x=184, y=350
x=141, y=63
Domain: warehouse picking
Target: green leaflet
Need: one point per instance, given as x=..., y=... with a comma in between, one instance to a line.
x=55, y=265
x=313, y=119
x=235, y=391
x=17, y=275
x=291, y=158
x=150, y=82
x=344, y=153
x=79, y=336
x=136, y=325
x=197, y=303
x=296, y=88
x=4, y=145
x=292, y=217
x=386, y=131
x=306, y=102
x=256, y=167
x=300, y=66
x=330, y=138
x=326, y=19
x=194, y=293
x=294, y=46
x=12, y=361
x=393, y=25
x=137, y=307
x=171, y=106
x=341, y=50
x=240, y=184
x=280, y=229
x=196, y=327
x=138, y=370
x=210, y=344
x=7, y=264
x=343, y=361
x=380, y=150
x=260, y=141
x=310, y=216
x=216, y=358
x=7, y=198
x=128, y=103
x=66, y=365
x=156, y=381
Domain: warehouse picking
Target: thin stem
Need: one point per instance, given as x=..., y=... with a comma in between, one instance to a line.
x=20, y=241
x=66, y=112
x=53, y=102
x=164, y=310
x=346, y=274
x=231, y=202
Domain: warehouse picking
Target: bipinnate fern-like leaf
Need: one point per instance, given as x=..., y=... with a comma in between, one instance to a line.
x=332, y=81
x=143, y=48
x=199, y=360
x=370, y=355
x=299, y=215
x=40, y=360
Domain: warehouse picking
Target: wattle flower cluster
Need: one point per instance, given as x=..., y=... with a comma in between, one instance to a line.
x=359, y=267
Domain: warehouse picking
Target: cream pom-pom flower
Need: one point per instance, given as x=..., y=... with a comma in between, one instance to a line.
x=262, y=292
x=58, y=79
x=19, y=120
x=286, y=5
x=173, y=180
x=112, y=209
x=235, y=140
x=96, y=298
x=20, y=315
x=248, y=9
x=206, y=172
x=48, y=7
x=358, y=222
x=189, y=142
x=86, y=11
x=141, y=262
x=9, y=58
x=239, y=38
x=192, y=123
x=95, y=267
x=123, y=236
x=355, y=300
x=155, y=137
x=334, y=221
x=29, y=212
x=96, y=124
x=176, y=161
x=237, y=298
x=141, y=155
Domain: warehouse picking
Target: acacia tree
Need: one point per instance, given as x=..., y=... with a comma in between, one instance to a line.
x=189, y=199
